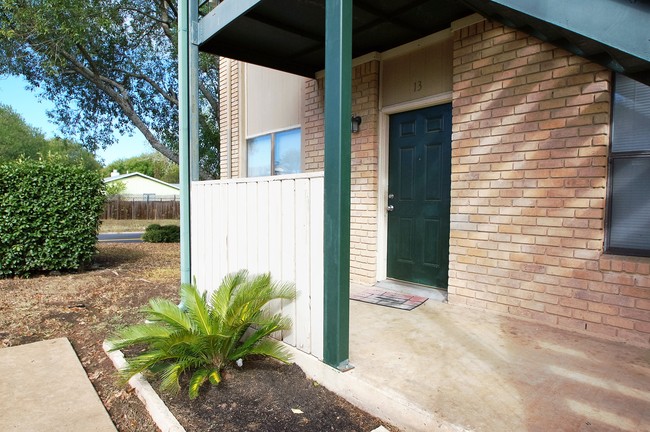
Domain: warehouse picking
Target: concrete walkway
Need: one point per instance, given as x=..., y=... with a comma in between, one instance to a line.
x=43, y=387
x=449, y=368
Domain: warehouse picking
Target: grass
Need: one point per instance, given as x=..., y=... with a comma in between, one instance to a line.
x=132, y=225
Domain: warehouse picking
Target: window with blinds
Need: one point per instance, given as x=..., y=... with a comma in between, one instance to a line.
x=629, y=164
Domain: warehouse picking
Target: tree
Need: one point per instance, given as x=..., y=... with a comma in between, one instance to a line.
x=17, y=138
x=115, y=188
x=109, y=65
x=152, y=164
x=20, y=140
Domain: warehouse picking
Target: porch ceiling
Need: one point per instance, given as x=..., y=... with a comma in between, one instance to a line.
x=289, y=35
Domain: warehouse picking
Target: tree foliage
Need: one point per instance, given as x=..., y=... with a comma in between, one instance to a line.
x=109, y=65
x=20, y=140
x=152, y=164
x=115, y=188
x=49, y=215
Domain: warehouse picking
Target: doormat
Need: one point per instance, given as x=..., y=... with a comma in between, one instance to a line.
x=389, y=298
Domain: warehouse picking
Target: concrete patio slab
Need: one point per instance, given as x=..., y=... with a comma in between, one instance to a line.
x=441, y=367
x=43, y=387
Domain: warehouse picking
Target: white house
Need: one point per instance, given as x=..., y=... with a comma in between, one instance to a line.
x=141, y=186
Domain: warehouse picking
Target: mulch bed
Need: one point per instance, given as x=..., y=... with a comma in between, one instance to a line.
x=86, y=307
x=262, y=396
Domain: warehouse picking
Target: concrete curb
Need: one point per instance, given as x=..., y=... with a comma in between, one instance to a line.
x=157, y=409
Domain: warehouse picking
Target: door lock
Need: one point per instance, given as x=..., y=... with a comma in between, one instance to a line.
x=391, y=196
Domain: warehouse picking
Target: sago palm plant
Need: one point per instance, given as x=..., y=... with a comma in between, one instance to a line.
x=207, y=333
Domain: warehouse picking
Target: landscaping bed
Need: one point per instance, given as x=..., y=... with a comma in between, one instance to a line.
x=87, y=307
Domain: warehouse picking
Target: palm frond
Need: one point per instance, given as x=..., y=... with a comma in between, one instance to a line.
x=270, y=348
x=250, y=297
x=196, y=307
x=169, y=378
x=214, y=377
x=196, y=381
x=169, y=313
x=221, y=298
x=138, y=334
x=142, y=363
x=263, y=329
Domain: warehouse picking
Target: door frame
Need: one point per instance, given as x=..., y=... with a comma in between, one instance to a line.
x=382, y=198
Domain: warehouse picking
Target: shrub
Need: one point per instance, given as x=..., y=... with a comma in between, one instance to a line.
x=49, y=216
x=205, y=336
x=162, y=234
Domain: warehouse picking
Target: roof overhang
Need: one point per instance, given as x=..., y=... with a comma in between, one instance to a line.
x=289, y=35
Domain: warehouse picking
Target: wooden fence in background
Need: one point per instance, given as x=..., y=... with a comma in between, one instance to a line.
x=136, y=208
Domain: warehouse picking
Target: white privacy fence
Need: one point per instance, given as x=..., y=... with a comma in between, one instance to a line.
x=267, y=224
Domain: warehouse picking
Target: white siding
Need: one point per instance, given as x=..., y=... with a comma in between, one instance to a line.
x=137, y=185
x=269, y=224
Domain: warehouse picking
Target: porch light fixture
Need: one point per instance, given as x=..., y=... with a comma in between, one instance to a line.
x=356, y=122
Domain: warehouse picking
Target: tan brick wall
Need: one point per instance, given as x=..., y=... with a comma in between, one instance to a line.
x=529, y=166
x=229, y=72
x=365, y=157
x=313, y=128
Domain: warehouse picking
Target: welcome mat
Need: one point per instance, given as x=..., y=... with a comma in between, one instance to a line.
x=389, y=298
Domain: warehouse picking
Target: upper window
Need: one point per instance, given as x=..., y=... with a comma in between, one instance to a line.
x=629, y=162
x=274, y=154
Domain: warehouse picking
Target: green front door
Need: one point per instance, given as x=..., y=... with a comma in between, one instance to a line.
x=419, y=186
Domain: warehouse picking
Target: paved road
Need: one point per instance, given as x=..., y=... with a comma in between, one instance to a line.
x=128, y=237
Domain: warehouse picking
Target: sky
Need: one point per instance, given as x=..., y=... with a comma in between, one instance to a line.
x=13, y=92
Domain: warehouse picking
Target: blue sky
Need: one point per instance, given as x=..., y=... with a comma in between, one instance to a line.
x=13, y=92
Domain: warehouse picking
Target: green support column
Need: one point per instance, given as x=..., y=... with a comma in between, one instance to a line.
x=338, y=83
x=184, y=134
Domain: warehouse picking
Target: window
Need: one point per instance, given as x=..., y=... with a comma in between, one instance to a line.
x=274, y=154
x=629, y=164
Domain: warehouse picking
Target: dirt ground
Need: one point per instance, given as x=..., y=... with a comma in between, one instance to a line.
x=86, y=307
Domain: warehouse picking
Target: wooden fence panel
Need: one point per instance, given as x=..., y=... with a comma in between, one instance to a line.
x=131, y=208
x=270, y=224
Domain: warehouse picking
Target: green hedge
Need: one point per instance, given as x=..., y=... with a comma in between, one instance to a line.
x=49, y=216
x=162, y=234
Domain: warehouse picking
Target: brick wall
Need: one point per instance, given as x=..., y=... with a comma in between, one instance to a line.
x=229, y=71
x=529, y=166
x=365, y=156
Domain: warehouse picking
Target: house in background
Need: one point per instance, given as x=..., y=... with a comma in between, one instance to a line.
x=142, y=187
x=502, y=157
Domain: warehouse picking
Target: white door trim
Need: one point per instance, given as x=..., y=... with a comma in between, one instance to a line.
x=382, y=199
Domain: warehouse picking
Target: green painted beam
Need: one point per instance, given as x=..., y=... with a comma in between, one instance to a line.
x=338, y=88
x=221, y=16
x=624, y=25
x=184, y=134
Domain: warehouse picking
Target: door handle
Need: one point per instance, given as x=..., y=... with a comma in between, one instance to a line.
x=390, y=208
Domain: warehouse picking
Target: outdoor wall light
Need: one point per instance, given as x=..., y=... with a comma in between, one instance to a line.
x=356, y=122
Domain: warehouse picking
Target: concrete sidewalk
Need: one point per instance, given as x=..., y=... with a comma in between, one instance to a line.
x=43, y=387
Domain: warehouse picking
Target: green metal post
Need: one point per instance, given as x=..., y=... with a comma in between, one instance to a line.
x=184, y=134
x=338, y=88
x=194, y=89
